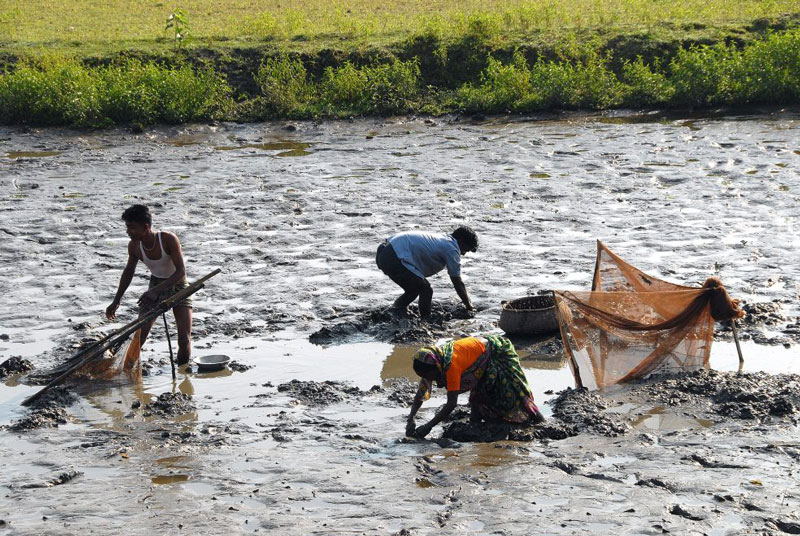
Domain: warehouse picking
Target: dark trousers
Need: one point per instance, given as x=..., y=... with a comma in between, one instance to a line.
x=412, y=285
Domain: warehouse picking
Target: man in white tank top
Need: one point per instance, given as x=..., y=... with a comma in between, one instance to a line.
x=161, y=252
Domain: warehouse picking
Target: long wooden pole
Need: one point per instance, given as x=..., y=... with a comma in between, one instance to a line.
x=169, y=343
x=122, y=333
x=736, y=340
x=573, y=365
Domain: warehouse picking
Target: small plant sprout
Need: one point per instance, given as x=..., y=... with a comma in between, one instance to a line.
x=178, y=26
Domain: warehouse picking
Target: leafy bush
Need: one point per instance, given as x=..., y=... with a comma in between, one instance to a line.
x=64, y=92
x=768, y=70
x=764, y=71
x=698, y=74
x=387, y=88
x=501, y=88
x=284, y=85
x=55, y=91
x=645, y=87
x=547, y=84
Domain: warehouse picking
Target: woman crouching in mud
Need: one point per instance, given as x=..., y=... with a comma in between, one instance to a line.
x=488, y=367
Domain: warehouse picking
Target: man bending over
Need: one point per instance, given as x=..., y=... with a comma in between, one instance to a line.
x=409, y=258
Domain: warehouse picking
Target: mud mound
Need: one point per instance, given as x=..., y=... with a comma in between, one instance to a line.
x=169, y=405
x=235, y=366
x=550, y=429
x=48, y=417
x=57, y=397
x=57, y=480
x=752, y=396
x=391, y=325
x=319, y=393
x=48, y=411
x=485, y=432
x=582, y=411
x=467, y=432
x=762, y=314
x=14, y=365
x=574, y=412
x=762, y=320
x=402, y=391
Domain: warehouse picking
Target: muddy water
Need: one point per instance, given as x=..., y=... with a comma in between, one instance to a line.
x=293, y=216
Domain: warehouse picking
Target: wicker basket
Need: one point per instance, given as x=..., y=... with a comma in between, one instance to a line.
x=532, y=315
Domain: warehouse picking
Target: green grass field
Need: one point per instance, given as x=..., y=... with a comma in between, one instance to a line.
x=95, y=27
x=93, y=63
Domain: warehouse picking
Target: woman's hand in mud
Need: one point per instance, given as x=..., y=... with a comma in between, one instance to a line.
x=411, y=427
x=111, y=311
x=423, y=430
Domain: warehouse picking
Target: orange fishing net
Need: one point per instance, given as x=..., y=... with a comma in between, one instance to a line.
x=632, y=324
x=125, y=360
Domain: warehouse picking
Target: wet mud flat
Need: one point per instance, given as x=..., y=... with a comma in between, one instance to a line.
x=303, y=456
x=295, y=232
x=310, y=439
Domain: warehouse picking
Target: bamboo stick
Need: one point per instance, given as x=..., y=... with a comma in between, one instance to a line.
x=736, y=340
x=122, y=333
x=169, y=343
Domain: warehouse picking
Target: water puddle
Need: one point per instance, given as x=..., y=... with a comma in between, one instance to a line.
x=660, y=418
x=169, y=479
x=14, y=155
x=176, y=462
x=285, y=148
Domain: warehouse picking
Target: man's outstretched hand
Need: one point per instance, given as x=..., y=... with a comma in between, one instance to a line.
x=111, y=311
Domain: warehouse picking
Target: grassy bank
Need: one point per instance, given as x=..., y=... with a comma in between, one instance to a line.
x=306, y=25
x=250, y=62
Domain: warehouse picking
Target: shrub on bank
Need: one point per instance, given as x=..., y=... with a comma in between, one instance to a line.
x=54, y=92
x=766, y=71
x=285, y=88
x=644, y=86
x=64, y=92
x=58, y=91
x=147, y=92
x=382, y=89
x=516, y=87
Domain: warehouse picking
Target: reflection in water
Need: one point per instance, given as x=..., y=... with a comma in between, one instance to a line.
x=117, y=401
x=398, y=363
x=126, y=402
x=225, y=372
x=178, y=462
x=31, y=154
x=657, y=418
x=185, y=387
x=287, y=147
x=169, y=479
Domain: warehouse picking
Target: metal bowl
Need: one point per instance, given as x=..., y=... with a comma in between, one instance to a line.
x=210, y=363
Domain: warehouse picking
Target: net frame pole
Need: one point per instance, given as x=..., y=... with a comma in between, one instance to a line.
x=736, y=340
x=169, y=343
x=122, y=333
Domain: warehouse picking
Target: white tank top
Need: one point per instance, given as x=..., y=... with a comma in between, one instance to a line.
x=161, y=268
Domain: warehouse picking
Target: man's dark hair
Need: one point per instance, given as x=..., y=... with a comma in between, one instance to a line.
x=466, y=236
x=424, y=369
x=138, y=214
